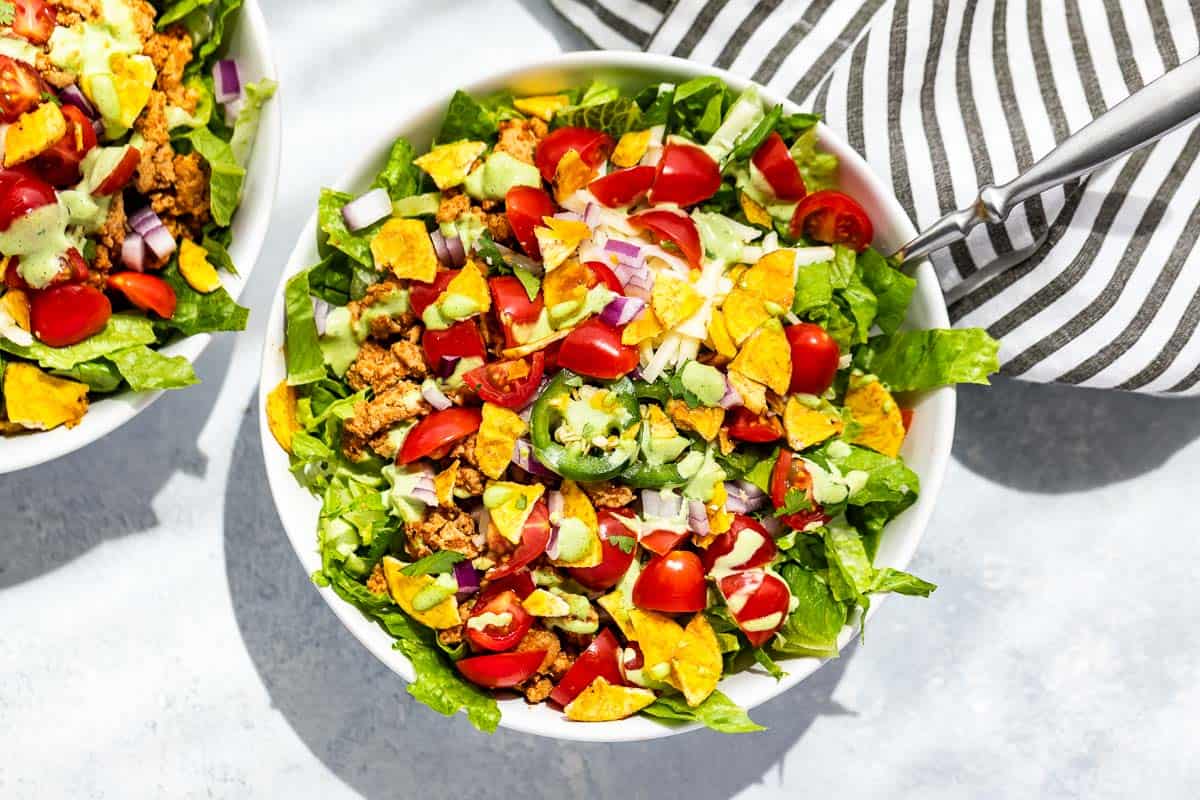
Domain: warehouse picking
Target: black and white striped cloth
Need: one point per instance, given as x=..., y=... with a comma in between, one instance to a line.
x=1096, y=284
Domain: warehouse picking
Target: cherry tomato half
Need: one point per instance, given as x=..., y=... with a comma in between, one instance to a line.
x=65, y=315
x=500, y=637
x=602, y=273
x=33, y=19
x=513, y=306
x=147, y=292
x=20, y=193
x=676, y=229
x=422, y=295
x=535, y=535
x=834, y=218
x=501, y=670
x=614, y=561
x=595, y=349
x=520, y=582
x=790, y=473
x=511, y=384
x=622, y=187
x=673, y=583
x=60, y=164
x=746, y=426
x=662, y=542
x=460, y=340
x=759, y=601
x=779, y=169
x=686, y=175
x=743, y=529
x=21, y=88
x=524, y=206
x=815, y=358
x=74, y=270
x=440, y=429
x=599, y=660
x=593, y=147
x=122, y=173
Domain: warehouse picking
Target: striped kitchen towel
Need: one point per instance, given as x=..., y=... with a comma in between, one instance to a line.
x=1096, y=284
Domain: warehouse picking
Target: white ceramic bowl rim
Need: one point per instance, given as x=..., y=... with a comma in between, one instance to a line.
x=250, y=43
x=927, y=448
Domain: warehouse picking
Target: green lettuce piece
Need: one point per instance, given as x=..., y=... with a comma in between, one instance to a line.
x=220, y=18
x=101, y=375
x=791, y=126
x=813, y=628
x=144, y=369
x=357, y=245
x=850, y=570
x=226, y=173
x=844, y=267
x=889, y=480
x=615, y=117
x=860, y=305
x=399, y=176
x=598, y=92
x=750, y=141
x=893, y=289
x=218, y=255
x=819, y=170
x=174, y=11
x=916, y=360
x=302, y=346
x=246, y=124
x=434, y=563
x=717, y=712
x=122, y=331
x=655, y=103
x=201, y=313
x=894, y=580
x=467, y=118
x=814, y=287
x=699, y=106
x=178, y=118
x=330, y=279
x=444, y=690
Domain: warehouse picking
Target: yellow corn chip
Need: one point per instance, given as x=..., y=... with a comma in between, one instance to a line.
x=674, y=299
x=543, y=106
x=753, y=393
x=874, y=408
x=644, y=326
x=558, y=239
x=660, y=424
x=630, y=148
x=195, y=269
x=567, y=283
x=718, y=335
x=404, y=588
x=601, y=701
x=16, y=303
x=498, y=434
x=807, y=426
x=618, y=609
x=657, y=634
x=39, y=401
x=577, y=505
x=703, y=420
x=471, y=282
x=744, y=313
x=533, y=347
x=571, y=175
x=509, y=517
x=281, y=414
x=773, y=278
x=33, y=133
x=449, y=164
x=766, y=357
x=697, y=664
x=719, y=518
x=404, y=247
x=443, y=484
x=754, y=212
x=541, y=603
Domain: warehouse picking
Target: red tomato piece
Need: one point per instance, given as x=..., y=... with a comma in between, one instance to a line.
x=524, y=206
x=122, y=173
x=673, y=583
x=741, y=528
x=147, y=292
x=439, y=430
x=602, y=273
x=60, y=164
x=460, y=340
x=501, y=670
x=779, y=169
x=21, y=88
x=906, y=416
x=662, y=542
x=534, y=538
x=65, y=315
x=615, y=561
x=595, y=349
x=494, y=382
x=834, y=218
x=686, y=175
x=676, y=229
x=599, y=660
x=500, y=637
x=759, y=601
x=593, y=147
x=33, y=19
x=520, y=582
x=513, y=306
x=623, y=187
x=789, y=473
x=20, y=193
x=815, y=358
x=422, y=295
x=746, y=426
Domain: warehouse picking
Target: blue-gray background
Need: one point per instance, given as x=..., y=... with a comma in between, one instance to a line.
x=158, y=638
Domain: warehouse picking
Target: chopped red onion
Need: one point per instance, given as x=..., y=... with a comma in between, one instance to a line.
x=524, y=458
x=484, y=521
x=698, y=518
x=72, y=96
x=133, y=252
x=623, y=249
x=570, y=215
x=642, y=279
x=144, y=220
x=468, y=579
x=439, y=248
x=161, y=242
x=233, y=110
x=555, y=502
x=552, y=543
x=435, y=396
x=731, y=397
x=660, y=504
x=622, y=310
x=424, y=490
x=447, y=365
x=632, y=656
x=98, y=127
x=458, y=255
x=743, y=497
x=227, y=81
x=773, y=524
x=366, y=210
x=320, y=314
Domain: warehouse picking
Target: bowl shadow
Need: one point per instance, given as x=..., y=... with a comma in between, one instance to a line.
x=355, y=715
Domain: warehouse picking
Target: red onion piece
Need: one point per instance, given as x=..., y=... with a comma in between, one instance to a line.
x=555, y=503
x=144, y=220
x=698, y=518
x=424, y=490
x=622, y=310
x=161, y=242
x=632, y=656
x=731, y=397
x=743, y=497
x=569, y=215
x=227, y=81
x=773, y=524
x=72, y=96
x=468, y=579
x=625, y=250
x=446, y=368
x=435, y=396
x=320, y=314
x=439, y=248
x=366, y=210
x=524, y=458
x=660, y=504
x=133, y=252
x=552, y=543
x=458, y=255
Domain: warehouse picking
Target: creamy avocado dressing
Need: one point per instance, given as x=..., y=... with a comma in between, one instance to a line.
x=489, y=619
x=18, y=49
x=39, y=238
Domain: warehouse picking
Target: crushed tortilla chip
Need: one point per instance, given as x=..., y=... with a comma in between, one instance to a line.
x=471, y=282
x=674, y=299
x=718, y=335
x=16, y=303
x=697, y=665
x=571, y=175
x=756, y=214
x=630, y=148
x=645, y=325
x=541, y=603
x=766, y=357
x=618, y=609
x=558, y=239
x=744, y=313
x=875, y=410
x=704, y=420
x=807, y=426
x=773, y=278
x=404, y=588
x=719, y=518
x=568, y=282
x=498, y=434
x=577, y=505
x=281, y=414
x=443, y=484
x=39, y=401
x=659, y=424
x=542, y=106
x=657, y=634
x=449, y=164
x=601, y=701
x=195, y=269
x=532, y=347
x=34, y=133
x=724, y=443
x=404, y=247
x=753, y=393
x=509, y=517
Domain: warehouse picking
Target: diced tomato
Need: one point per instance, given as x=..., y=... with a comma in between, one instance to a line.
x=593, y=147
x=615, y=561
x=906, y=417
x=524, y=206
x=834, y=218
x=534, y=538
x=501, y=670
x=422, y=295
x=746, y=426
x=500, y=637
x=595, y=349
x=599, y=660
x=147, y=292
x=513, y=306
x=761, y=597
x=519, y=582
x=460, y=340
x=60, y=164
x=686, y=175
x=602, y=273
x=65, y=315
x=20, y=193
x=511, y=384
x=790, y=474
x=779, y=169
x=21, y=88
x=121, y=175
x=724, y=544
x=439, y=430
x=673, y=583
x=670, y=227
x=33, y=19
x=662, y=542
x=815, y=358
x=622, y=187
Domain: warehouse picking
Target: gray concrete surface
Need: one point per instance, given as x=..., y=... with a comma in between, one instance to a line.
x=160, y=640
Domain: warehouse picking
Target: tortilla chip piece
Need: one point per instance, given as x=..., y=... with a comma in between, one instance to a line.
x=404, y=588
x=16, y=303
x=577, y=505
x=874, y=408
x=718, y=335
x=703, y=420
x=558, y=239
x=754, y=212
x=601, y=701
x=509, y=517
x=571, y=175
x=657, y=634
x=404, y=247
x=674, y=299
x=471, y=281
x=567, y=283
x=443, y=484
x=807, y=426
x=719, y=518
x=33, y=133
x=766, y=357
x=773, y=278
x=498, y=434
x=659, y=424
x=697, y=664
x=542, y=106
x=449, y=164
x=541, y=603
x=534, y=346
x=39, y=401
x=630, y=148
x=195, y=269
x=645, y=325
x=744, y=313
x=281, y=414
x=618, y=609
x=753, y=393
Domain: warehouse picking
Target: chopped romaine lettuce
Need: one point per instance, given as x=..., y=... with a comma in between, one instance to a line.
x=916, y=360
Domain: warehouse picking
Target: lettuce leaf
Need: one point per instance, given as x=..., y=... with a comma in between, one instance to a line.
x=698, y=107
x=101, y=375
x=467, y=118
x=615, y=117
x=226, y=173
x=717, y=712
x=330, y=279
x=302, y=348
x=400, y=177
x=144, y=369
x=220, y=18
x=818, y=169
x=893, y=580
x=444, y=690
x=201, y=313
x=916, y=360
x=122, y=331
x=813, y=628
x=357, y=245
x=655, y=103
x=814, y=287
x=246, y=124
x=850, y=570
x=892, y=288
x=175, y=11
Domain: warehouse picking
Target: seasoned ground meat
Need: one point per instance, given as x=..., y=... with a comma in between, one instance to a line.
x=401, y=402
x=465, y=451
x=58, y=78
x=607, y=495
x=186, y=201
x=442, y=529
x=375, y=367
x=497, y=546
x=156, y=171
x=376, y=582
x=384, y=326
x=537, y=689
x=539, y=639
x=519, y=137
x=470, y=480
x=410, y=357
x=451, y=208
x=451, y=636
x=171, y=50
x=108, y=240
x=553, y=666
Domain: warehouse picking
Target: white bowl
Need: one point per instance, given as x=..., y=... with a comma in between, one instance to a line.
x=250, y=45
x=926, y=449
